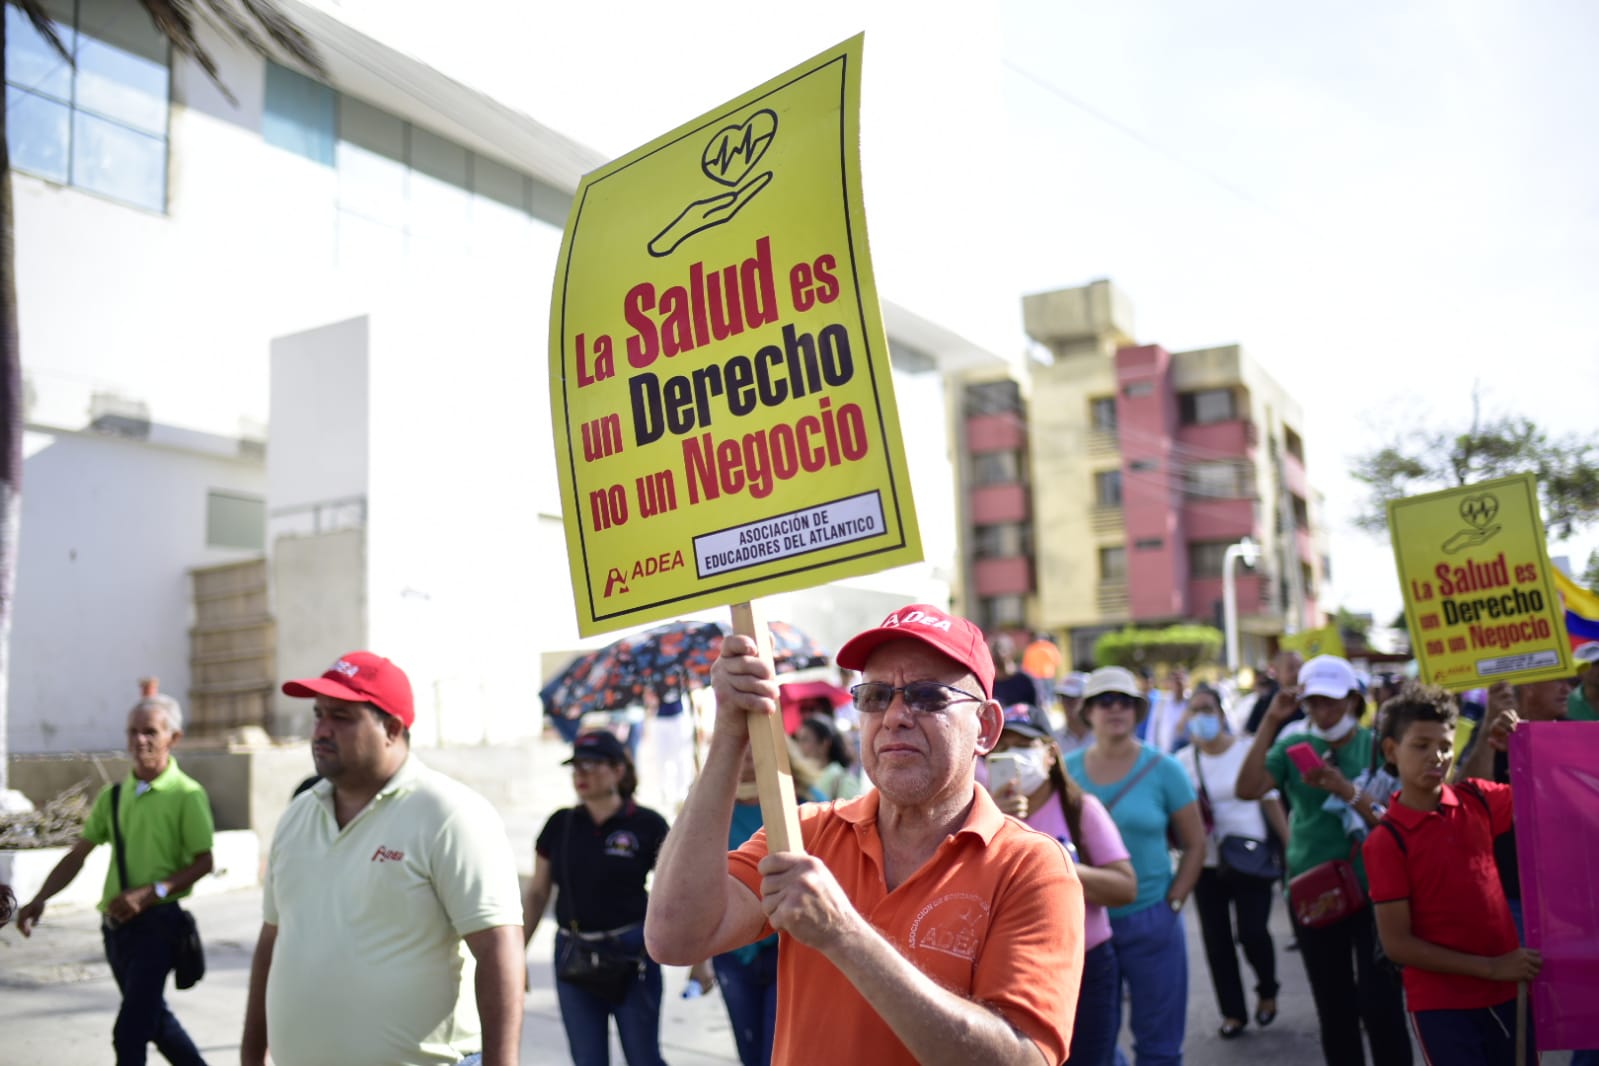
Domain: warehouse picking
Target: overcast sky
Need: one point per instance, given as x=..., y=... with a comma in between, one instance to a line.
x=1383, y=203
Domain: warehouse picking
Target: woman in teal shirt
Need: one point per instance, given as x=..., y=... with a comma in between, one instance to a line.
x=1148, y=795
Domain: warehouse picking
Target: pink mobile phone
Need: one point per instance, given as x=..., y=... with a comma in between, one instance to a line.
x=1304, y=756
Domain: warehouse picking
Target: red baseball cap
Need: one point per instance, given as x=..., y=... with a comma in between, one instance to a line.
x=949, y=634
x=361, y=677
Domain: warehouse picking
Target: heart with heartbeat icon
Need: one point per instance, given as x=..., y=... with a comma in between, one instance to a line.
x=1479, y=510
x=733, y=151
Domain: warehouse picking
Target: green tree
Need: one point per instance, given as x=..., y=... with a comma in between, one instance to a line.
x=1180, y=645
x=1590, y=574
x=261, y=27
x=1348, y=621
x=1426, y=460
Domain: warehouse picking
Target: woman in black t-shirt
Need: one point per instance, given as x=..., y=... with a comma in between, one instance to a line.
x=598, y=854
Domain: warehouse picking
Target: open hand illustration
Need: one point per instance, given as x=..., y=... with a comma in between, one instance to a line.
x=703, y=214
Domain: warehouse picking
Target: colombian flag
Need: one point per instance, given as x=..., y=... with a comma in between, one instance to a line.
x=1582, y=611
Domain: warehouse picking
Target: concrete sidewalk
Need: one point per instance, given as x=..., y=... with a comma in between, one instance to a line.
x=58, y=1001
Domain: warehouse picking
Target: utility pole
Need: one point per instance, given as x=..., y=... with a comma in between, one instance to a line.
x=1249, y=552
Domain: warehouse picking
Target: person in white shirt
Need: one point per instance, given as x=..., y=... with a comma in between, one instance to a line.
x=1166, y=710
x=1212, y=762
x=1074, y=734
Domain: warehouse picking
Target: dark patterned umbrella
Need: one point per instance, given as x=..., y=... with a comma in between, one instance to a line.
x=663, y=658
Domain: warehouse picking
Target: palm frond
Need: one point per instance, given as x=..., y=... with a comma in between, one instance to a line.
x=44, y=24
x=176, y=18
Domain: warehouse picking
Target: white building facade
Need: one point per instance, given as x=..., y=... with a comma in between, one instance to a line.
x=312, y=326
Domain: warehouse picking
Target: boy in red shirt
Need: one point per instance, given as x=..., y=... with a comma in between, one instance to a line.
x=1441, y=912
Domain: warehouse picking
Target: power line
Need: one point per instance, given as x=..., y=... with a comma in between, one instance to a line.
x=1127, y=131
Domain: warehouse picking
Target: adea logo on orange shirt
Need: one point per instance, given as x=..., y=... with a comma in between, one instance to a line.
x=951, y=925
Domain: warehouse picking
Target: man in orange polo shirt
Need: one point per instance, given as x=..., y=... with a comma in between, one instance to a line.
x=921, y=925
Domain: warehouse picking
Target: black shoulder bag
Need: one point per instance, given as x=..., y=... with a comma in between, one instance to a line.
x=594, y=961
x=1238, y=855
x=188, y=953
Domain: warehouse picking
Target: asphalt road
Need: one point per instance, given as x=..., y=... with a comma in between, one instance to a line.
x=57, y=999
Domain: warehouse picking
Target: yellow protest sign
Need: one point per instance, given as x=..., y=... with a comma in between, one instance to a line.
x=724, y=412
x=1479, y=590
x=1310, y=643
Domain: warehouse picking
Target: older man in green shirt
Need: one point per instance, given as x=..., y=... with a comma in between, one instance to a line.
x=166, y=843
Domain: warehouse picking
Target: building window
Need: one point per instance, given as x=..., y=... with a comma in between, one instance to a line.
x=1301, y=512
x=235, y=521
x=99, y=123
x=1003, y=612
x=1102, y=413
x=1137, y=389
x=993, y=398
x=1005, y=541
x=1225, y=479
x=1207, y=405
x=1149, y=544
x=1143, y=465
x=404, y=192
x=1205, y=558
x=1294, y=446
x=997, y=468
x=299, y=115
x=1113, y=564
x=1108, y=488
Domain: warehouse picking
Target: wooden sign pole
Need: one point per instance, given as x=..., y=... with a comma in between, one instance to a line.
x=773, y=775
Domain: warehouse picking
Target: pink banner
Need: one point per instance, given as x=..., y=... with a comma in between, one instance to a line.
x=1554, y=767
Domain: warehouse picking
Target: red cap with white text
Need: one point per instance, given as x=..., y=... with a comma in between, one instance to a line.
x=361, y=677
x=948, y=634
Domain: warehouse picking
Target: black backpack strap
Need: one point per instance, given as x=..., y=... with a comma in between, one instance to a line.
x=116, y=835
x=1470, y=788
x=1399, y=838
x=1132, y=781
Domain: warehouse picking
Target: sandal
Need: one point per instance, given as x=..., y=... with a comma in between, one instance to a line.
x=1265, y=1015
x=1230, y=1029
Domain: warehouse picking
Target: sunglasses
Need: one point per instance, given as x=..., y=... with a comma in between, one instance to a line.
x=1113, y=699
x=921, y=697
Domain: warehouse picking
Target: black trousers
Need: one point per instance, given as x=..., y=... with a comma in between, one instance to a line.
x=1352, y=991
x=140, y=953
x=1218, y=899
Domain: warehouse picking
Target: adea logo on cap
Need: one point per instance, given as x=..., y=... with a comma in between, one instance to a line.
x=348, y=669
x=922, y=618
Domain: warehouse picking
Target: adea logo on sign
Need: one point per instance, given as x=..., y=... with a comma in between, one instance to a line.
x=617, y=581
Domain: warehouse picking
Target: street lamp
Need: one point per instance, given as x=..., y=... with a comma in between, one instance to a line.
x=1249, y=552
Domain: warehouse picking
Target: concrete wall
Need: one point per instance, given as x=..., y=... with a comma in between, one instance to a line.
x=1064, y=461
x=110, y=529
x=247, y=789
x=250, y=789
x=319, y=602
x=1146, y=406
x=320, y=445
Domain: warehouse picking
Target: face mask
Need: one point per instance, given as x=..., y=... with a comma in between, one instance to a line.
x=1345, y=726
x=748, y=791
x=1031, y=771
x=1204, y=727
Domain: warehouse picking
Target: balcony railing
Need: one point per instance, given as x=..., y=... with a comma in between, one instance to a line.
x=1103, y=442
x=1106, y=520
x=1112, y=599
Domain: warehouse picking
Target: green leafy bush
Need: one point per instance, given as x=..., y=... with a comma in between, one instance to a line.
x=1180, y=645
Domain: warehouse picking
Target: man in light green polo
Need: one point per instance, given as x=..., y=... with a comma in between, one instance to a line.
x=166, y=843
x=392, y=916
